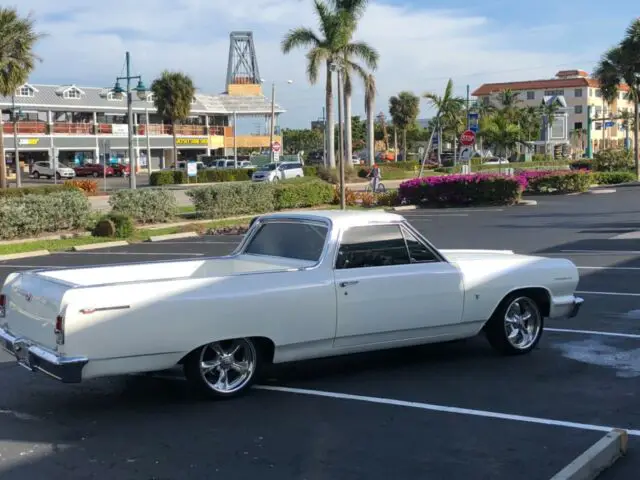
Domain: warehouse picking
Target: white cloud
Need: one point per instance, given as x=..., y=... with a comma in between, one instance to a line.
x=419, y=48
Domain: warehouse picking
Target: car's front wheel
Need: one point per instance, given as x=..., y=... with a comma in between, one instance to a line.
x=223, y=369
x=515, y=328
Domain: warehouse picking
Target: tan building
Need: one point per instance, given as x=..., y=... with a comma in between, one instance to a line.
x=579, y=91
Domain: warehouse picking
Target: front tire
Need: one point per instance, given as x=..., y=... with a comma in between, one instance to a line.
x=515, y=328
x=223, y=369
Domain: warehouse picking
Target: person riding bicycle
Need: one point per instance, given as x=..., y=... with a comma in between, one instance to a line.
x=375, y=174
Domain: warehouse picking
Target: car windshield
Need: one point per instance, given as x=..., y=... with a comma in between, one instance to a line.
x=299, y=240
x=267, y=168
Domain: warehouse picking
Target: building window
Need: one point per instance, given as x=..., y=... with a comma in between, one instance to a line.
x=623, y=96
x=577, y=126
x=598, y=92
x=577, y=109
x=72, y=93
x=485, y=100
x=553, y=93
x=150, y=98
x=531, y=95
x=577, y=92
x=24, y=91
x=114, y=97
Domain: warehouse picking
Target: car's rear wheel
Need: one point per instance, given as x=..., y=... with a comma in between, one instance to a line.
x=223, y=369
x=36, y=175
x=58, y=176
x=515, y=328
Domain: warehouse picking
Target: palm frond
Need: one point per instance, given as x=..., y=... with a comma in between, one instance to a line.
x=299, y=38
x=364, y=52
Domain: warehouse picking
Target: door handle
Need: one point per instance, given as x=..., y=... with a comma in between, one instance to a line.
x=346, y=284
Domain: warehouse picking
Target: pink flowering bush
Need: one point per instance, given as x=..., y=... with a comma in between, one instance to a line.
x=557, y=181
x=471, y=189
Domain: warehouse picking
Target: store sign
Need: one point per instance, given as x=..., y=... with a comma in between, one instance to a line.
x=119, y=129
x=192, y=141
x=28, y=141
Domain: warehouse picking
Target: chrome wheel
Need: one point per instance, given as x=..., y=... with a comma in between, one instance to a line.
x=522, y=323
x=227, y=367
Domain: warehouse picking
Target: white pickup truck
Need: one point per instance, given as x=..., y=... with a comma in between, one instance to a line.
x=300, y=285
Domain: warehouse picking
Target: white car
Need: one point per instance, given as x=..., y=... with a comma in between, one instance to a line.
x=45, y=169
x=300, y=285
x=225, y=163
x=274, y=172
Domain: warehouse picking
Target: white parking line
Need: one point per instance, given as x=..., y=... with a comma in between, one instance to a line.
x=168, y=242
x=421, y=215
x=104, y=253
x=446, y=409
x=592, y=332
x=599, y=252
x=615, y=294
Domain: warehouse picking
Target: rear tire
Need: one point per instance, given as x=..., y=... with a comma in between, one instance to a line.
x=36, y=175
x=225, y=369
x=515, y=328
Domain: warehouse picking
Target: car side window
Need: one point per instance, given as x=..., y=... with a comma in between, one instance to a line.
x=372, y=246
x=418, y=251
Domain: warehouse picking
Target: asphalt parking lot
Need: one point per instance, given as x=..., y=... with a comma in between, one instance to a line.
x=453, y=410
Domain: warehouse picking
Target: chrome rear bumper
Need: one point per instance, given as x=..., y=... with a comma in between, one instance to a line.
x=36, y=358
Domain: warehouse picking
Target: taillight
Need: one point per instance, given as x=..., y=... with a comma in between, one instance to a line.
x=59, y=330
x=3, y=305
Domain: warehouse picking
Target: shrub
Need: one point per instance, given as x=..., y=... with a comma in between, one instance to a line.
x=388, y=172
x=89, y=187
x=557, y=182
x=390, y=198
x=227, y=200
x=34, y=214
x=310, y=171
x=477, y=189
x=105, y=227
x=39, y=190
x=582, y=164
x=367, y=199
x=162, y=177
x=539, y=157
x=299, y=194
x=611, y=160
x=350, y=197
x=114, y=225
x=610, y=178
x=145, y=205
x=332, y=175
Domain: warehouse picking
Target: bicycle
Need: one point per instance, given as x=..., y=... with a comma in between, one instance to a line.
x=380, y=188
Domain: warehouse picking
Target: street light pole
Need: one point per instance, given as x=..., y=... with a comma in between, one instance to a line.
x=343, y=200
x=15, y=140
x=273, y=119
x=142, y=92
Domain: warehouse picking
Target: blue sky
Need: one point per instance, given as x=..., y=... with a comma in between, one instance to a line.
x=421, y=43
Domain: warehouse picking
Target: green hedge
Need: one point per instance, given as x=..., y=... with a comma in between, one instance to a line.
x=557, y=182
x=145, y=205
x=254, y=198
x=176, y=177
x=612, y=160
x=611, y=178
x=39, y=190
x=517, y=166
x=35, y=214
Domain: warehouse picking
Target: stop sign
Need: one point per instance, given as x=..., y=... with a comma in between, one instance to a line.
x=467, y=138
x=276, y=146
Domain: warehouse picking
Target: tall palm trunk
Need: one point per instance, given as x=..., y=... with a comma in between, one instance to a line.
x=635, y=138
x=371, y=141
x=348, y=138
x=404, y=144
x=331, y=146
x=3, y=163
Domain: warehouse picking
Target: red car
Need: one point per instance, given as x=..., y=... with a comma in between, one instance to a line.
x=121, y=170
x=93, y=170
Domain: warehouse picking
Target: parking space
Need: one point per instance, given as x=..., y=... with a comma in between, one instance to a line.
x=456, y=410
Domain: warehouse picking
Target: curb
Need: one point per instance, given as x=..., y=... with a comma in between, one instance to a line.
x=97, y=246
x=15, y=256
x=527, y=203
x=597, y=458
x=403, y=208
x=171, y=236
x=601, y=191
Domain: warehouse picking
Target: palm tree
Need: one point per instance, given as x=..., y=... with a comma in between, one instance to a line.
x=621, y=64
x=369, y=105
x=327, y=49
x=448, y=108
x=548, y=111
x=173, y=94
x=578, y=136
x=509, y=102
x=404, y=111
x=17, y=60
x=499, y=131
x=351, y=12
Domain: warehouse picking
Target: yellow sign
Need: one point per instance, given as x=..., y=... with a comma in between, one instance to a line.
x=192, y=141
x=216, y=141
x=28, y=141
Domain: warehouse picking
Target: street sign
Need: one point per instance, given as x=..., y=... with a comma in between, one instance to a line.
x=609, y=124
x=276, y=147
x=473, y=122
x=467, y=138
x=192, y=169
x=276, y=155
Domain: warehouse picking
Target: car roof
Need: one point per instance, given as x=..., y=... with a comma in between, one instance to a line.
x=340, y=218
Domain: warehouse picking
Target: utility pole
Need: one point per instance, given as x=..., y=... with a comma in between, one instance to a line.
x=324, y=136
x=468, y=124
x=273, y=118
x=16, y=115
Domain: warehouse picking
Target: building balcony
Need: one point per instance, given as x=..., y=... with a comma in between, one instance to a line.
x=154, y=129
x=26, y=128
x=221, y=131
x=187, y=130
x=68, y=128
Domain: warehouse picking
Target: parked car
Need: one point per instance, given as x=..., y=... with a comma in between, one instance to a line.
x=93, y=170
x=332, y=282
x=226, y=163
x=45, y=169
x=273, y=172
x=120, y=169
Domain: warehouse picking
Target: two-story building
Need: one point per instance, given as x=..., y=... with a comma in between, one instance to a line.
x=78, y=124
x=577, y=90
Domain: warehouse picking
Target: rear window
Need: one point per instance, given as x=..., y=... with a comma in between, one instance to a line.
x=289, y=239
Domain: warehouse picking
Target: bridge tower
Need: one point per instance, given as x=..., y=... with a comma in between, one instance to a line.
x=243, y=76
